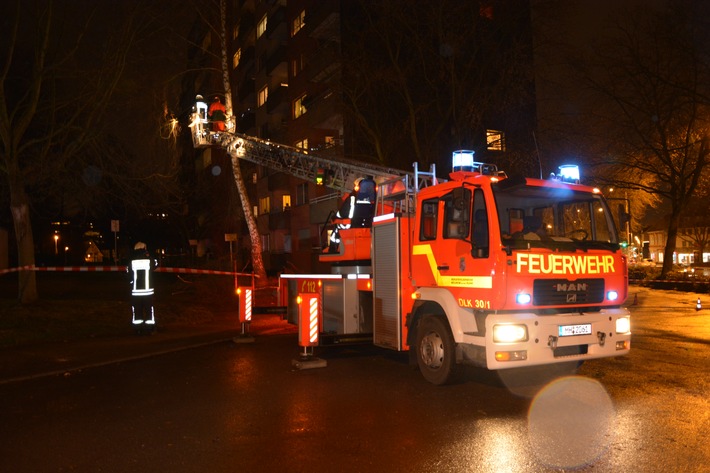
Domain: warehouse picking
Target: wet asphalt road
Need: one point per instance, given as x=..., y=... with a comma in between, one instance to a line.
x=242, y=408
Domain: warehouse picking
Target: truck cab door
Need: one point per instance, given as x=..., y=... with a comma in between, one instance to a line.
x=462, y=253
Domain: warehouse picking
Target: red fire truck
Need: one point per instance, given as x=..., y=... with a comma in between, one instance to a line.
x=481, y=269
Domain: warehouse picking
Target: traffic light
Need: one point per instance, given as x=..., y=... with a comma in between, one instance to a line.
x=320, y=175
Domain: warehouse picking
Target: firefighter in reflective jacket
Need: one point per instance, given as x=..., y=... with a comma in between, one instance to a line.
x=342, y=217
x=140, y=269
x=356, y=211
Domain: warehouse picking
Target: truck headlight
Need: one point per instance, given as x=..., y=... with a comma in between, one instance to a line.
x=523, y=298
x=623, y=325
x=510, y=333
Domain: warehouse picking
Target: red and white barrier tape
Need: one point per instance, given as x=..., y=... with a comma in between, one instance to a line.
x=117, y=269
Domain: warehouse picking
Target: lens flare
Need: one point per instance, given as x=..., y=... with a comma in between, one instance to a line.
x=570, y=422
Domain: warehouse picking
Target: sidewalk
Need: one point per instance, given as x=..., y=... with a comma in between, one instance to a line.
x=30, y=362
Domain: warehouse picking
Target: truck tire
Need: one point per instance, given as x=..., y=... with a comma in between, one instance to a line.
x=435, y=349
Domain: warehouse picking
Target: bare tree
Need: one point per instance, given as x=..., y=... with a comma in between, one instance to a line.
x=652, y=97
x=50, y=105
x=256, y=258
x=635, y=101
x=219, y=30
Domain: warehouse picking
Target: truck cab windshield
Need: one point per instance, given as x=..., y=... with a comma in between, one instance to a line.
x=535, y=216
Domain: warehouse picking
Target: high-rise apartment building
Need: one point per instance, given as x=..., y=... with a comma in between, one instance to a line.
x=369, y=81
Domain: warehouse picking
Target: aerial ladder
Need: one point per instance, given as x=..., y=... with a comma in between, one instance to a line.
x=338, y=174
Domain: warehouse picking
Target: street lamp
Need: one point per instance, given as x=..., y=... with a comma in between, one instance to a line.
x=56, y=248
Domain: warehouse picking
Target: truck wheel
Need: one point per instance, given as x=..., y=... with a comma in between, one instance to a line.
x=435, y=351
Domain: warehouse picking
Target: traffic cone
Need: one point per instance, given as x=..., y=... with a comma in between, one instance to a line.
x=698, y=305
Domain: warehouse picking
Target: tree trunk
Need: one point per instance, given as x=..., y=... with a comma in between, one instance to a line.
x=256, y=258
x=672, y=232
x=257, y=261
x=20, y=209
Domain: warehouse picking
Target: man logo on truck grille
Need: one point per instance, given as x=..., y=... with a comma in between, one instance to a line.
x=571, y=298
x=571, y=287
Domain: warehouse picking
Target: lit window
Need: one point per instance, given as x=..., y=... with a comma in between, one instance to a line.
x=298, y=23
x=263, y=95
x=303, y=144
x=286, y=201
x=261, y=27
x=254, y=178
x=255, y=211
x=264, y=205
x=495, y=140
x=298, y=107
x=329, y=141
x=235, y=59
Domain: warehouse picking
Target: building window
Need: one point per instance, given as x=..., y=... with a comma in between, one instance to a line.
x=297, y=65
x=303, y=144
x=286, y=201
x=235, y=31
x=298, y=107
x=235, y=59
x=261, y=27
x=265, y=243
x=495, y=140
x=329, y=142
x=254, y=178
x=263, y=95
x=298, y=22
x=302, y=194
x=255, y=211
x=264, y=205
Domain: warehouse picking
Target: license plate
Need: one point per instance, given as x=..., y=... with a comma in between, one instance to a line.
x=570, y=330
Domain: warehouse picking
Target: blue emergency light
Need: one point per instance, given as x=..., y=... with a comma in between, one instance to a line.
x=463, y=160
x=569, y=173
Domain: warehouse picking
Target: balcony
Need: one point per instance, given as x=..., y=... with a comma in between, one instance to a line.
x=277, y=63
x=246, y=28
x=277, y=102
x=246, y=60
x=324, y=65
x=245, y=89
x=246, y=121
x=323, y=20
x=276, y=24
x=324, y=111
x=280, y=220
x=278, y=181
